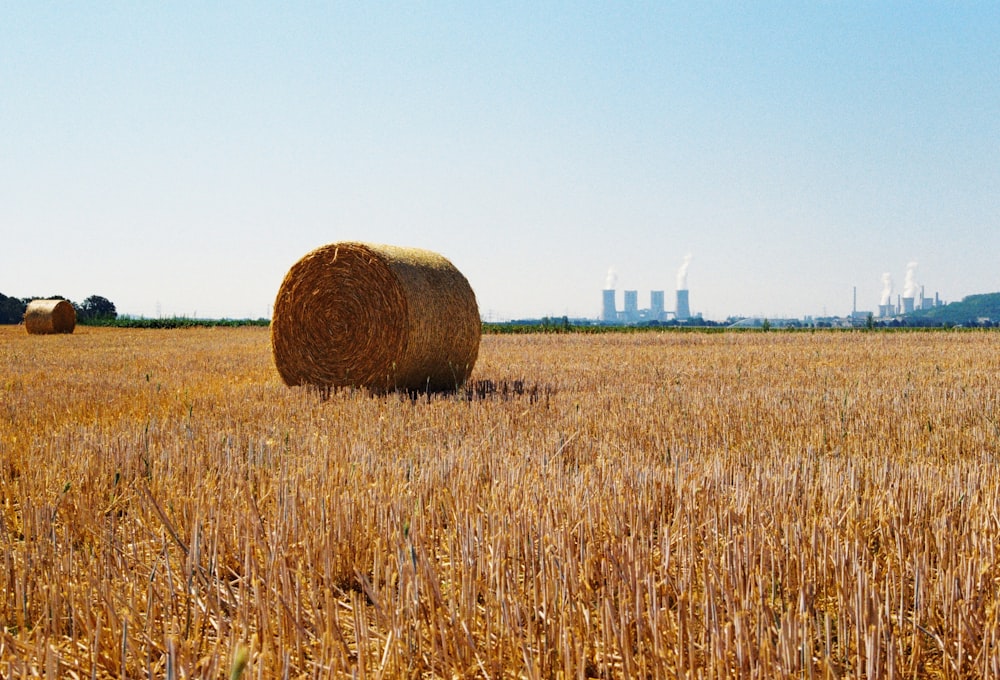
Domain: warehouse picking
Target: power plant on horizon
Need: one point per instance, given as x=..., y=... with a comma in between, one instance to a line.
x=912, y=299
x=656, y=311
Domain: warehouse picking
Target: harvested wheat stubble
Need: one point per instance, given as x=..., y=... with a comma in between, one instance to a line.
x=376, y=316
x=49, y=316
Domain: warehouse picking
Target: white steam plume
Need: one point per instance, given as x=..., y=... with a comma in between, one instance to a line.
x=611, y=279
x=682, y=273
x=910, y=282
x=886, y=289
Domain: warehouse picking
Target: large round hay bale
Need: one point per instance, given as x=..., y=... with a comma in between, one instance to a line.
x=49, y=316
x=375, y=316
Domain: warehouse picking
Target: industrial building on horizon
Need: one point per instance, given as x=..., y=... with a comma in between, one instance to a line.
x=656, y=311
x=907, y=302
x=912, y=299
x=631, y=313
x=908, y=305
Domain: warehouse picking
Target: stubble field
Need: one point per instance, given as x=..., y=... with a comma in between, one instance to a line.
x=623, y=505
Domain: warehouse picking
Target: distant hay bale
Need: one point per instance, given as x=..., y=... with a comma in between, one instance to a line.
x=49, y=316
x=376, y=316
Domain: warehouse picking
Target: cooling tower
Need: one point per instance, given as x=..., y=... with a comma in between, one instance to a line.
x=683, y=308
x=907, y=305
x=608, y=312
x=631, y=306
x=656, y=305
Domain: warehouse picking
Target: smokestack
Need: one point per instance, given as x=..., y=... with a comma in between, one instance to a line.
x=683, y=308
x=608, y=312
x=682, y=273
x=854, y=309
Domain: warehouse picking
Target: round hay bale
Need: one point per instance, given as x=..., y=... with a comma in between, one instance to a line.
x=376, y=316
x=49, y=316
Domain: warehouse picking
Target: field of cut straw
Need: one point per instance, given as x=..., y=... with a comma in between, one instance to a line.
x=646, y=505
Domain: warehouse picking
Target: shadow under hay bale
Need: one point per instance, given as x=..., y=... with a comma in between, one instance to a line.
x=376, y=316
x=507, y=390
x=44, y=317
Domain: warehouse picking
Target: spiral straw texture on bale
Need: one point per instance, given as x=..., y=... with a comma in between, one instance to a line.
x=376, y=316
x=49, y=316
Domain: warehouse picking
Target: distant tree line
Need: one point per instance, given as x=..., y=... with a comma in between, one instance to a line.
x=94, y=309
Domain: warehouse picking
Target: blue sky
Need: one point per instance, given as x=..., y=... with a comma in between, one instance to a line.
x=178, y=158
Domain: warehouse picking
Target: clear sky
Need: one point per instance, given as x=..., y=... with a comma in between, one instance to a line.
x=178, y=158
